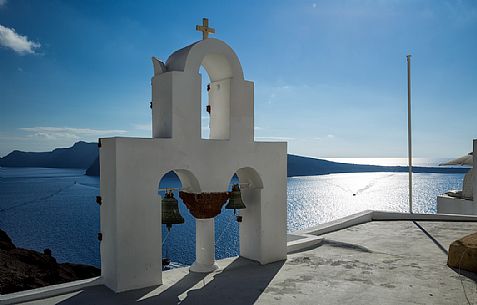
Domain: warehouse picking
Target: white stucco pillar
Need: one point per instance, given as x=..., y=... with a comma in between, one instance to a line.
x=204, y=246
x=474, y=152
x=219, y=101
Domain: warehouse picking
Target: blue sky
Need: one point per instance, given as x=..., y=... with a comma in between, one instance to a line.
x=330, y=76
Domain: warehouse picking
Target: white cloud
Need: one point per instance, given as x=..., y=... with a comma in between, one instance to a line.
x=145, y=126
x=274, y=138
x=20, y=44
x=331, y=136
x=271, y=97
x=53, y=133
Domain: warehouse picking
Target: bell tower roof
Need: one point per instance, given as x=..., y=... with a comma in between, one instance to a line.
x=216, y=56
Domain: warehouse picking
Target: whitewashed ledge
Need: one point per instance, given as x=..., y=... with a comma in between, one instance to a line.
x=301, y=240
x=297, y=241
x=370, y=215
x=48, y=291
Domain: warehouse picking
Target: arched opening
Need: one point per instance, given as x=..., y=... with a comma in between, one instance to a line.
x=204, y=114
x=178, y=243
x=215, y=97
x=239, y=236
x=251, y=225
x=227, y=229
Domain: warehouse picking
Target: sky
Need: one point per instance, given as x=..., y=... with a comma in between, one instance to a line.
x=330, y=76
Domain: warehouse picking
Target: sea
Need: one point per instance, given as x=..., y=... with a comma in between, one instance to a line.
x=55, y=208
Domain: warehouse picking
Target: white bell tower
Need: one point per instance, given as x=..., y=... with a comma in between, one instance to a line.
x=131, y=168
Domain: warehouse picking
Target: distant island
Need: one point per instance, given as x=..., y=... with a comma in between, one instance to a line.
x=80, y=155
x=84, y=155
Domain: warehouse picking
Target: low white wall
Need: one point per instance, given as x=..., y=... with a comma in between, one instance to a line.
x=301, y=242
x=451, y=205
x=48, y=291
x=342, y=223
x=368, y=216
x=475, y=173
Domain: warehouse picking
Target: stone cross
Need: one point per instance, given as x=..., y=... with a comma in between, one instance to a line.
x=204, y=28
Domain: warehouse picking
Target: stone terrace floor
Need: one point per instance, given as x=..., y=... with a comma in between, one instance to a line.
x=381, y=262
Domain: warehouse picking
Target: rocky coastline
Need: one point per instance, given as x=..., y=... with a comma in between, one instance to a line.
x=23, y=269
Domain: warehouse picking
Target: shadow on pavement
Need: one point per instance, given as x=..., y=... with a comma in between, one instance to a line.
x=241, y=282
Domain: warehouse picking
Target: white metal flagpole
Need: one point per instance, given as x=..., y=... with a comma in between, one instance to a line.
x=409, y=132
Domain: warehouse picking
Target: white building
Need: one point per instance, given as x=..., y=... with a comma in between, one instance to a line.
x=466, y=203
x=131, y=169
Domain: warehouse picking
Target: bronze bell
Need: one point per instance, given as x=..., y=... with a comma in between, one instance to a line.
x=235, y=200
x=170, y=211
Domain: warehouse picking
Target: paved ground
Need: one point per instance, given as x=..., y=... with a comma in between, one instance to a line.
x=394, y=262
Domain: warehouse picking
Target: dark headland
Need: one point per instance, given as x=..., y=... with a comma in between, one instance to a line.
x=84, y=155
x=22, y=269
x=80, y=155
